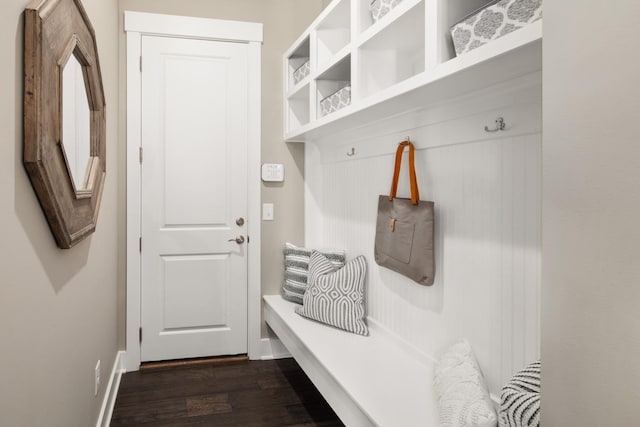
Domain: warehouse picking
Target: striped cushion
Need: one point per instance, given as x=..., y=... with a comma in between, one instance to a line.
x=296, y=270
x=336, y=296
x=520, y=397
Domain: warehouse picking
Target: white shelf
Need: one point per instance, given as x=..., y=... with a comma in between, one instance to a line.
x=400, y=64
x=332, y=79
x=298, y=110
x=392, y=53
x=387, y=20
x=294, y=59
x=330, y=66
x=297, y=91
x=333, y=32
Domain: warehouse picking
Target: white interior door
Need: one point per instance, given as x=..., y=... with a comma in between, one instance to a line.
x=194, y=198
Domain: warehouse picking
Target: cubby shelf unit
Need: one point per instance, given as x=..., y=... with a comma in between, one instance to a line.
x=401, y=63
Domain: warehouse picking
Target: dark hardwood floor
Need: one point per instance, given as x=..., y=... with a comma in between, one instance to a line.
x=230, y=393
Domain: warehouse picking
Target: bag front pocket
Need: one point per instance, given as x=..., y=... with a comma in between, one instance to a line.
x=395, y=238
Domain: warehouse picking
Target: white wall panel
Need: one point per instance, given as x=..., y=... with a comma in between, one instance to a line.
x=487, y=198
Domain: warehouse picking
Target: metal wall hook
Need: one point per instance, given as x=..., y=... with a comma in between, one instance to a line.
x=500, y=125
x=353, y=152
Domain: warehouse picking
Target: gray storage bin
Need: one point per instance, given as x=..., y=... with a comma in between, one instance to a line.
x=301, y=72
x=380, y=8
x=336, y=101
x=493, y=21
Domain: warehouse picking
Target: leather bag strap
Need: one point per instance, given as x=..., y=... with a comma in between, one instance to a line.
x=415, y=195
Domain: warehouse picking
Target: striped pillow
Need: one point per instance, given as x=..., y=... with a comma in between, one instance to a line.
x=520, y=397
x=336, y=296
x=296, y=270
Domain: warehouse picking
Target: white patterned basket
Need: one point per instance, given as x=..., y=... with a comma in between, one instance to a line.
x=498, y=18
x=379, y=8
x=301, y=72
x=336, y=101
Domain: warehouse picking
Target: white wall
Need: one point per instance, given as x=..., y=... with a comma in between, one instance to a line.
x=58, y=312
x=591, y=236
x=486, y=189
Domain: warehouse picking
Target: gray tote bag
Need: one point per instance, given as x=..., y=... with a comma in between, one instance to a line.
x=404, y=228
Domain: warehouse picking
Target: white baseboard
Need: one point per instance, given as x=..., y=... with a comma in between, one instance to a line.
x=109, y=400
x=272, y=348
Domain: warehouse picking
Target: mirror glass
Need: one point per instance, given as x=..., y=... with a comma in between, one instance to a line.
x=76, y=123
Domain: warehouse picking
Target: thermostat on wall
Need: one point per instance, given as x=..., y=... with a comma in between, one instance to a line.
x=272, y=172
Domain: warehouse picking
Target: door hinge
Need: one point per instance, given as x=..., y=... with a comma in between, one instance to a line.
x=140, y=154
x=140, y=63
x=140, y=334
x=140, y=244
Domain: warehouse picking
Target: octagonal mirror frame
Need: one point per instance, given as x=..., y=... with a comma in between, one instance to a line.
x=55, y=30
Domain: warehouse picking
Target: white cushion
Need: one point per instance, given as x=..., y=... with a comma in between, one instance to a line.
x=463, y=398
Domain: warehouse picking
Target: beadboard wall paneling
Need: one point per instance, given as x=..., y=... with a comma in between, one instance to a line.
x=487, y=196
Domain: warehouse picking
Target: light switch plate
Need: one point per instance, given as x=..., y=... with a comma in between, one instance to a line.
x=267, y=211
x=272, y=172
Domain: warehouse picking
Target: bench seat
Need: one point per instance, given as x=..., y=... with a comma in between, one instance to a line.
x=368, y=380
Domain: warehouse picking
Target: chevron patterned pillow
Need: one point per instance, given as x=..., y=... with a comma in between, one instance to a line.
x=520, y=397
x=336, y=296
x=296, y=270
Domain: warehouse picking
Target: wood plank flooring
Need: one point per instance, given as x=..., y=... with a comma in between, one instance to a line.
x=233, y=393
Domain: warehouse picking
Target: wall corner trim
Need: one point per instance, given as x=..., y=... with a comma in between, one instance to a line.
x=111, y=392
x=272, y=348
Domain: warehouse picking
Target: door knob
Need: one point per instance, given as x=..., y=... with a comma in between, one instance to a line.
x=240, y=222
x=239, y=240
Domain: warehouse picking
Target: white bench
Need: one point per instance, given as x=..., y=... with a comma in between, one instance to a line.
x=367, y=380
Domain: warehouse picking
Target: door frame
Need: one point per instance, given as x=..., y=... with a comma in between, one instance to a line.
x=137, y=24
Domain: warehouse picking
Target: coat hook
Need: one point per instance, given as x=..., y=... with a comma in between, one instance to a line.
x=353, y=151
x=500, y=125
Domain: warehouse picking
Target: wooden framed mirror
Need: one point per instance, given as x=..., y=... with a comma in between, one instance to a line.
x=64, y=117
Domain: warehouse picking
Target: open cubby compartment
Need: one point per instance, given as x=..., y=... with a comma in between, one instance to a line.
x=298, y=57
x=331, y=81
x=333, y=33
x=298, y=107
x=450, y=13
x=365, y=18
x=392, y=55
